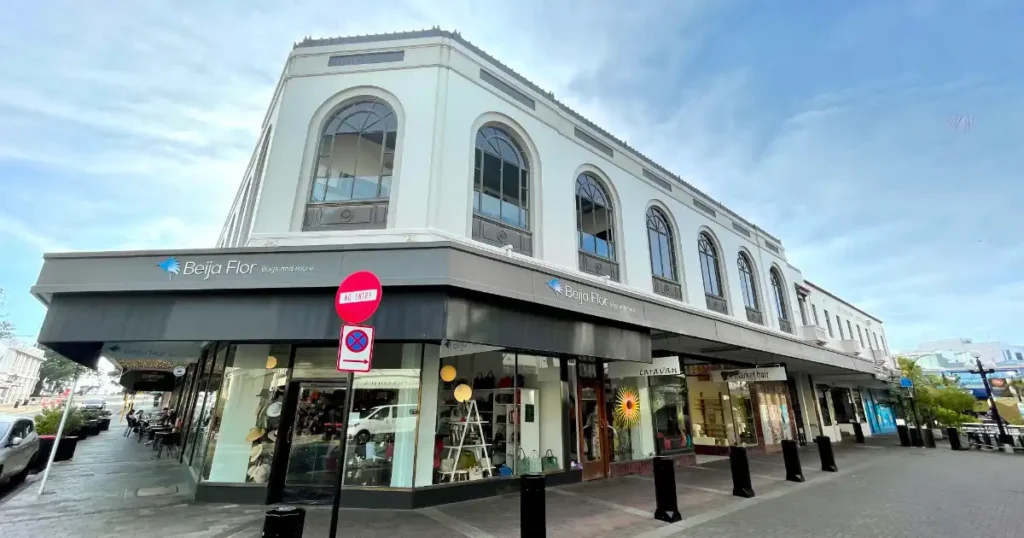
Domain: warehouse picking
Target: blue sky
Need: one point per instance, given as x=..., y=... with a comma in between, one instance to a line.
x=128, y=124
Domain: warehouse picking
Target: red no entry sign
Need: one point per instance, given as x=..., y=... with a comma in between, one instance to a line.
x=358, y=297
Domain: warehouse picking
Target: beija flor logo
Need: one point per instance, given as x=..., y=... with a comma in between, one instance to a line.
x=556, y=286
x=170, y=266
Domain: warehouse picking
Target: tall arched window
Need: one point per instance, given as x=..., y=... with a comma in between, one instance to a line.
x=595, y=228
x=749, y=288
x=663, y=255
x=501, y=190
x=353, y=170
x=710, y=270
x=779, y=295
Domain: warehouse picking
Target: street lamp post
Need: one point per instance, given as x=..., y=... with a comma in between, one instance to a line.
x=1004, y=438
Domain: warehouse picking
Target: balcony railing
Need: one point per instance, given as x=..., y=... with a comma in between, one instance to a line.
x=350, y=215
x=813, y=333
x=785, y=326
x=499, y=234
x=717, y=304
x=850, y=346
x=667, y=288
x=755, y=316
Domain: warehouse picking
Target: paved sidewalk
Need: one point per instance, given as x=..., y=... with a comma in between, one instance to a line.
x=95, y=498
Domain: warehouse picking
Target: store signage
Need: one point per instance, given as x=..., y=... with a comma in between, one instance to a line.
x=207, y=269
x=659, y=366
x=451, y=348
x=581, y=296
x=355, y=349
x=358, y=297
x=773, y=373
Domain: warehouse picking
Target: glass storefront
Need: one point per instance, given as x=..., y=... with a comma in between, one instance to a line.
x=670, y=407
x=499, y=413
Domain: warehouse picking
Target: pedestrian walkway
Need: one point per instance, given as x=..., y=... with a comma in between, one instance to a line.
x=96, y=495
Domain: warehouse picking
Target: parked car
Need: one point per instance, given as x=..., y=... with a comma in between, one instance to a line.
x=383, y=420
x=98, y=404
x=18, y=447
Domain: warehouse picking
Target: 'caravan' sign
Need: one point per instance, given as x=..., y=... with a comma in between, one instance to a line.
x=773, y=373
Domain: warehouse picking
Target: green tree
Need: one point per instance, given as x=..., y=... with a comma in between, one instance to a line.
x=939, y=399
x=6, y=327
x=1017, y=384
x=55, y=372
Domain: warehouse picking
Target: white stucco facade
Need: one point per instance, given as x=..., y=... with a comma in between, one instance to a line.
x=19, y=371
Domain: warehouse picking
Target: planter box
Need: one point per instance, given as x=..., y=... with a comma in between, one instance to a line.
x=93, y=426
x=65, y=450
x=104, y=424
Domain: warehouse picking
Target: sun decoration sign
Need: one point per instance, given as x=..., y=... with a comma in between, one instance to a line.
x=627, y=407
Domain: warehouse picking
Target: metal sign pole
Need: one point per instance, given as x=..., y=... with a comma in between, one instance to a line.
x=60, y=432
x=342, y=450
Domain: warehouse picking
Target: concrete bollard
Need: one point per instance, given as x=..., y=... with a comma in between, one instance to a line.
x=928, y=437
x=791, y=456
x=532, y=506
x=284, y=522
x=915, y=437
x=741, y=484
x=858, y=432
x=954, y=439
x=828, y=458
x=904, y=433
x=667, y=503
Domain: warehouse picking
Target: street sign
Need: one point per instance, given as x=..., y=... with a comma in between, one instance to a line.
x=179, y=371
x=358, y=297
x=906, y=383
x=355, y=349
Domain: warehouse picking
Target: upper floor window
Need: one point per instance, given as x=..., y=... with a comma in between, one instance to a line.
x=828, y=321
x=849, y=329
x=839, y=322
x=501, y=180
x=663, y=254
x=354, y=166
x=595, y=218
x=814, y=314
x=779, y=294
x=711, y=271
x=747, y=282
x=860, y=335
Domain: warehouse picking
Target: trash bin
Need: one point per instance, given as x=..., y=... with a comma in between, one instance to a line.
x=284, y=522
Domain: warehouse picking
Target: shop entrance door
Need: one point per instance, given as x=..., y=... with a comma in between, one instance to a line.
x=314, y=441
x=593, y=434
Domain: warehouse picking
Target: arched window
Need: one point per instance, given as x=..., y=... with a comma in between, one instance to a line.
x=663, y=255
x=748, y=285
x=711, y=272
x=595, y=219
x=501, y=190
x=353, y=170
x=501, y=180
x=779, y=295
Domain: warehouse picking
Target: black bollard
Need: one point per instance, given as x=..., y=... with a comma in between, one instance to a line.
x=928, y=437
x=915, y=437
x=667, y=508
x=791, y=456
x=954, y=439
x=532, y=506
x=828, y=459
x=741, y=484
x=858, y=432
x=284, y=522
x=904, y=434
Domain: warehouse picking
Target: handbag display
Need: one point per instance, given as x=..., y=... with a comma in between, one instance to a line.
x=549, y=462
x=447, y=465
x=467, y=460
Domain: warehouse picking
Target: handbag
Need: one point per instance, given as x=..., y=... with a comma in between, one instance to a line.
x=522, y=462
x=489, y=382
x=476, y=473
x=447, y=465
x=505, y=382
x=549, y=462
x=478, y=382
x=504, y=470
x=534, y=461
x=467, y=460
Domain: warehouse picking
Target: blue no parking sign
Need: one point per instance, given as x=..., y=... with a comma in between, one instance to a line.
x=355, y=349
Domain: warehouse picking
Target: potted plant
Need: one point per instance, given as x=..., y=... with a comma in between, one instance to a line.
x=47, y=423
x=105, y=420
x=91, y=421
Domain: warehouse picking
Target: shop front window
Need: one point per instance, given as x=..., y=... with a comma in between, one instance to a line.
x=670, y=408
x=498, y=414
x=243, y=429
x=742, y=408
x=382, y=425
x=206, y=396
x=625, y=399
x=826, y=417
